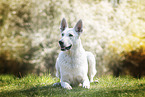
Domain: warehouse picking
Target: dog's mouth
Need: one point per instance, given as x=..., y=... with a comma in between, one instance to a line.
x=66, y=48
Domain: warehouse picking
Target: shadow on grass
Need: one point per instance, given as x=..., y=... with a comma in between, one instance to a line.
x=34, y=91
x=49, y=90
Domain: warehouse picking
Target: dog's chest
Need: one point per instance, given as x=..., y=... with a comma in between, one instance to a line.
x=73, y=69
x=73, y=62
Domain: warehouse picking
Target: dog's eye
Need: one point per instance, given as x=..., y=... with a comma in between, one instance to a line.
x=62, y=34
x=70, y=35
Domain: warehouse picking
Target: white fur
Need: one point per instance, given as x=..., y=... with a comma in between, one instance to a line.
x=75, y=66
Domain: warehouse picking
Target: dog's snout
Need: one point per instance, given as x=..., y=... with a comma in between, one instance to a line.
x=61, y=42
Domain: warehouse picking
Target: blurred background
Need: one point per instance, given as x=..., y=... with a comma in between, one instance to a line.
x=114, y=30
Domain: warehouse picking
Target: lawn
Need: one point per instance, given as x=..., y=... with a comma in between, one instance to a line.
x=108, y=86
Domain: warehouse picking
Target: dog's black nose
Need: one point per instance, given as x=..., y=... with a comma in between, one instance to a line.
x=61, y=42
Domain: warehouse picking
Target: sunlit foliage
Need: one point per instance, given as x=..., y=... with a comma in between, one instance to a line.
x=29, y=32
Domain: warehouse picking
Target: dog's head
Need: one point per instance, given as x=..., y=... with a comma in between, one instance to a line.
x=69, y=35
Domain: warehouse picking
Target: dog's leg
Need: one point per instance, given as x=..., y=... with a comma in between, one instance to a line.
x=66, y=85
x=57, y=69
x=86, y=84
x=92, y=66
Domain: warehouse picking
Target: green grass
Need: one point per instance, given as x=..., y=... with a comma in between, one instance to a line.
x=108, y=86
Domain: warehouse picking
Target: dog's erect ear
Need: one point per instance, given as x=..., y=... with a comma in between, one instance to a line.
x=79, y=27
x=63, y=25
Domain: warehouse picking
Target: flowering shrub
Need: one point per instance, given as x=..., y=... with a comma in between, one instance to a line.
x=14, y=41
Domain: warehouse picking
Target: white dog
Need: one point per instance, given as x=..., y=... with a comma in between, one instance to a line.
x=74, y=65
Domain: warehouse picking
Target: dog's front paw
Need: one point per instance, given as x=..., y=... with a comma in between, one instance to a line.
x=66, y=85
x=86, y=84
